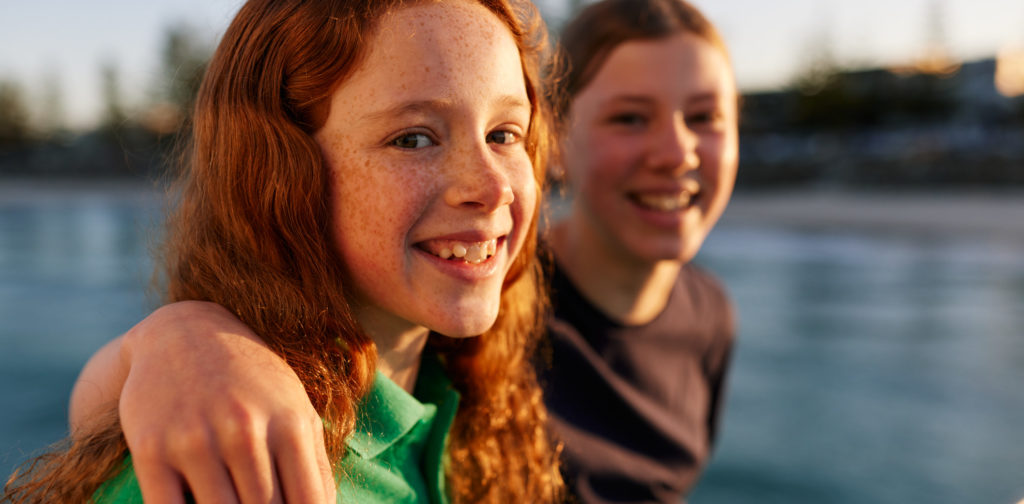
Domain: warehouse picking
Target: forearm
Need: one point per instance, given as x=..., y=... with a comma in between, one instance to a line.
x=98, y=386
x=170, y=334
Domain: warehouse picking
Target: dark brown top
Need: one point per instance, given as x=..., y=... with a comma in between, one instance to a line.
x=637, y=406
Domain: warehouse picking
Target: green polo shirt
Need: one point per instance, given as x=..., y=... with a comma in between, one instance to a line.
x=395, y=455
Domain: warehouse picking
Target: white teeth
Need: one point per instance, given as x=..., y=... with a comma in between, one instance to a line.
x=473, y=253
x=665, y=203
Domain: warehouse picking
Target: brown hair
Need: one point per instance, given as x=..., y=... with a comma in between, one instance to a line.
x=250, y=233
x=598, y=29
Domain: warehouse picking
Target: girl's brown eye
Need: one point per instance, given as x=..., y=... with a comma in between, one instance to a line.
x=633, y=120
x=412, y=141
x=502, y=137
x=705, y=118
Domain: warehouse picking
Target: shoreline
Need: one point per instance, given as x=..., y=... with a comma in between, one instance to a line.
x=990, y=212
x=22, y=191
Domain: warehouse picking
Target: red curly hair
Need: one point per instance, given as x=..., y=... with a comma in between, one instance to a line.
x=250, y=232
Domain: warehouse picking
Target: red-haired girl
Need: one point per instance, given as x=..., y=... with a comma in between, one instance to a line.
x=362, y=192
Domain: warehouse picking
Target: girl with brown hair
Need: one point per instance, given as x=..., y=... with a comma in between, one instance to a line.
x=361, y=192
x=640, y=338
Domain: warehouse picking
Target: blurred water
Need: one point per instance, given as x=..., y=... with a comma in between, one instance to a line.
x=879, y=369
x=74, y=270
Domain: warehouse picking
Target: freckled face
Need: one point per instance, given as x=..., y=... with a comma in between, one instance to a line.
x=432, y=188
x=652, y=149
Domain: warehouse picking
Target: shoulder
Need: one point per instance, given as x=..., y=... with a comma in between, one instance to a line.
x=708, y=298
x=703, y=286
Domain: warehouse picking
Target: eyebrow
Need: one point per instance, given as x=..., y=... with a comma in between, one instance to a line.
x=703, y=97
x=512, y=101
x=644, y=99
x=641, y=99
x=422, y=106
x=408, y=108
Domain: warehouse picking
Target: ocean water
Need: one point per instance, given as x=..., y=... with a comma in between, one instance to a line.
x=873, y=368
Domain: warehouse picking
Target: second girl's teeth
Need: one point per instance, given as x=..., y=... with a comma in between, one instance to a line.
x=665, y=203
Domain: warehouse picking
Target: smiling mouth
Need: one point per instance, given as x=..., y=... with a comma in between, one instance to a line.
x=667, y=202
x=462, y=251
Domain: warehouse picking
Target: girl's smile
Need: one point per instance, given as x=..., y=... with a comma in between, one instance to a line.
x=653, y=147
x=433, y=189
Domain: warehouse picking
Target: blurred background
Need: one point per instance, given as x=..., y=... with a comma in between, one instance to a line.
x=874, y=247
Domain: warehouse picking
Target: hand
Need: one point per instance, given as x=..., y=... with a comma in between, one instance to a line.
x=207, y=405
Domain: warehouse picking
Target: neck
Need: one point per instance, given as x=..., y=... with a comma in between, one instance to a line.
x=399, y=348
x=628, y=290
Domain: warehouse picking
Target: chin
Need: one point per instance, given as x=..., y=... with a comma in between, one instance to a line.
x=673, y=251
x=468, y=326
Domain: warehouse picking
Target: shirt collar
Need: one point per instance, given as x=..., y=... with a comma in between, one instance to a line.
x=388, y=412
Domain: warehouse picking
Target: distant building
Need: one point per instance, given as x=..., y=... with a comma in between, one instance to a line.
x=960, y=93
x=933, y=122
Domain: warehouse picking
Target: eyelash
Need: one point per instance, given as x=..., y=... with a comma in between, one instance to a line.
x=399, y=140
x=705, y=117
x=639, y=120
x=629, y=119
x=516, y=137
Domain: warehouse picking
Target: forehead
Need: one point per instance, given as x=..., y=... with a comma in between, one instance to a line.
x=684, y=63
x=457, y=40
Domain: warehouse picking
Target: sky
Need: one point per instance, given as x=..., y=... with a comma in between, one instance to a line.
x=69, y=40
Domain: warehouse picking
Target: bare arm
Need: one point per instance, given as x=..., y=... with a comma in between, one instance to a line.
x=98, y=386
x=204, y=404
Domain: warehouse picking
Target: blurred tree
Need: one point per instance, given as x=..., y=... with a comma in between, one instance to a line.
x=184, y=57
x=820, y=68
x=114, y=115
x=52, y=119
x=822, y=97
x=14, y=120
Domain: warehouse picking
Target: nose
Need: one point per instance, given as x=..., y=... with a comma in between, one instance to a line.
x=675, y=150
x=478, y=180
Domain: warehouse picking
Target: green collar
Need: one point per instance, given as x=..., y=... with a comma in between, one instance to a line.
x=388, y=412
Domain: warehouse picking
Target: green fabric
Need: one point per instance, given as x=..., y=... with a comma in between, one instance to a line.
x=122, y=489
x=395, y=454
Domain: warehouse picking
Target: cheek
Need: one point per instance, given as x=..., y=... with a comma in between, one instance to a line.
x=604, y=169
x=718, y=157
x=524, y=187
x=372, y=214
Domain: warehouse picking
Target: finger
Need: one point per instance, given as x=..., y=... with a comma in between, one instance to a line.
x=252, y=471
x=203, y=468
x=209, y=480
x=297, y=465
x=324, y=463
x=159, y=484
